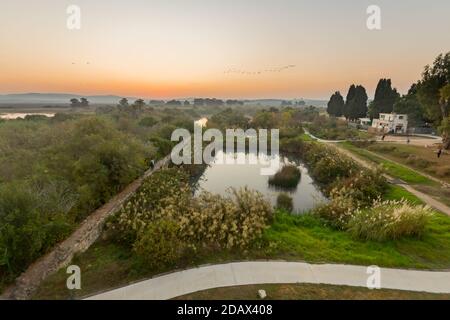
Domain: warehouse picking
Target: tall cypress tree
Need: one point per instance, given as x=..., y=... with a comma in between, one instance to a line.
x=385, y=98
x=356, y=104
x=350, y=96
x=336, y=105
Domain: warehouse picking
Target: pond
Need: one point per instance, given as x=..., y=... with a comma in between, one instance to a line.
x=14, y=116
x=218, y=177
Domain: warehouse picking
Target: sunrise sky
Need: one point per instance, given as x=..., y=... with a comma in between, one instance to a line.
x=181, y=48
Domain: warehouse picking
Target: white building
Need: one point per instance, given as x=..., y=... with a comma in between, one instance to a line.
x=391, y=122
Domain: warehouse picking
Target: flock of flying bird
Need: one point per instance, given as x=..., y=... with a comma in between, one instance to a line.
x=244, y=72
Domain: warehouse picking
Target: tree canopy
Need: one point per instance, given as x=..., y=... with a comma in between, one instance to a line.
x=356, y=103
x=433, y=92
x=434, y=78
x=385, y=98
x=410, y=105
x=336, y=105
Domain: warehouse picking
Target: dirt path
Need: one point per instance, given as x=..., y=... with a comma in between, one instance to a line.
x=418, y=140
x=422, y=196
x=443, y=183
x=80, y=240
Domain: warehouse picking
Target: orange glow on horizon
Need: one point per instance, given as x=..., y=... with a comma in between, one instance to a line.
x=161, y=50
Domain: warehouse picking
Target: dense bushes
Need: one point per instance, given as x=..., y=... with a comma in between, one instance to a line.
x=285, y=202
x=158, y=245
x=55, y=172
x=389, y=220
x=355, y=194
x=363, y=187
x=30, y=224
x=288, y=177
x=327, y=165
x=145, y=206
x=207, y=221
x=338, y=211
x=330, y=128
x=224, y=222
x=292, y=145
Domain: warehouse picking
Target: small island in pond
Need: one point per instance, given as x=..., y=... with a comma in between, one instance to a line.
x=287, y=178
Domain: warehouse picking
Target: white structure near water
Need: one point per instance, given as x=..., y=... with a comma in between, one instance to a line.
x=391, y=123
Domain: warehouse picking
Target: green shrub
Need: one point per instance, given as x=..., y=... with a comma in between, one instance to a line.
x=363, y=143
x=363, y=187
x=382, y=148
x=156, y=192
x=158, y=245
x=284, y=201
x=148, y=122
x=389, y=220
x=290, y=132
x=204, y=221
x=330, y=168
x=225, y=222
x=418, y=161
x=337, y=212
x=351, y=193
x=31, y=222
x=288, y=177
x=292, y=145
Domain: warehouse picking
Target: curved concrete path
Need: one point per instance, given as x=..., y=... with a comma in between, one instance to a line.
x=250, y=273
x=321, y=140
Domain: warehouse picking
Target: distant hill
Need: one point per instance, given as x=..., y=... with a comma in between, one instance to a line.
x=64, y=98
x=277, y=102
x=58, y=98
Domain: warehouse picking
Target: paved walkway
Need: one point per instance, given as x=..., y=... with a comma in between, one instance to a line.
x=250, y=273
x=321, y=140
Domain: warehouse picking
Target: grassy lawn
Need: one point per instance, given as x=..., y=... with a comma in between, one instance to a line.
x=417, y=157
x=395, y=192
x=306, y=137
x=391, y=168
x=294, y=238
x=309, y=239
x=420, y=182
x=309, y=292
